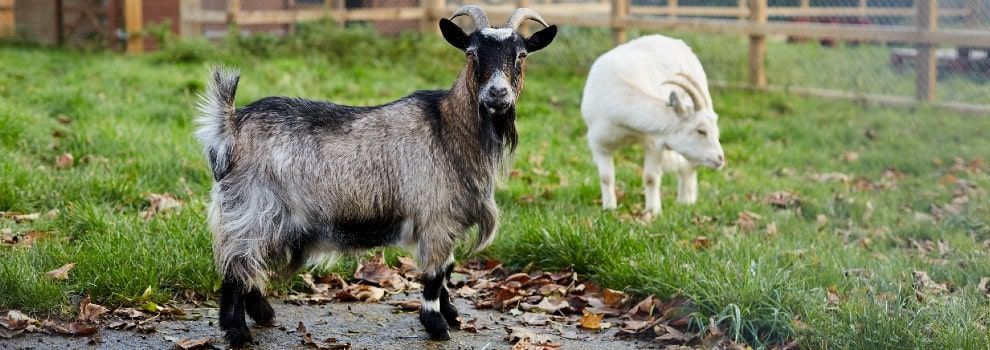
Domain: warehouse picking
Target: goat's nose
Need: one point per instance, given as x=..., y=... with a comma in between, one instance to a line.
x=498, y=92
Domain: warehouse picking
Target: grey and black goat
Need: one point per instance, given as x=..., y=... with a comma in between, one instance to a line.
x=297, y=179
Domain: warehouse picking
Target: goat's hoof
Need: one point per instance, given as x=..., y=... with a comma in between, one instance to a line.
x=238, y=338
x=262, y=314
x=449, y=312
x=435, y=325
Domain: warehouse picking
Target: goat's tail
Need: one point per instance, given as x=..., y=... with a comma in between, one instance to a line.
x=216, y=119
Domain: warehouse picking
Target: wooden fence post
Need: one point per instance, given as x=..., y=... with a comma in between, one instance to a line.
x=757, y=45
x=742, y=9
x=233, y=11
x=672, y=5
x=620, y=10
x=188, y=27
x=433, y=12
x=134, y=25
x=6, y=18
x=926, y=64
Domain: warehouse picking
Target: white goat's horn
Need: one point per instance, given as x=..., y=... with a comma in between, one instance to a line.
x=701, y=92
x=521, y=14
x=475, y=12
x=699, y=102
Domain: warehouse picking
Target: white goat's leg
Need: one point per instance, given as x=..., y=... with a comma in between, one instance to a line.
x=606, y=174
x=652, y=176
x=687, y=186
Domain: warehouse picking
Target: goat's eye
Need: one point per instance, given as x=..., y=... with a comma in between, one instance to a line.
x=521, y=55
x=702, y=132
x=470, y=54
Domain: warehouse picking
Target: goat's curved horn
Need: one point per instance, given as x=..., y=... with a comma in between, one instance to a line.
x=475, y=12
x=521, y=14
x=701, y=92
x=699, y=102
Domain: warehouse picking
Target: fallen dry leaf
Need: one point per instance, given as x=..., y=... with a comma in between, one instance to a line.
x=64, y=161
x=89, y=311
x=361, y=292
x=984, y=286
x=128, y=312
x=61, y=273
x=614, y=298
x=158, y=203
x=16, y=321
x=591, y=320
x=523, y=335
x=469, y=325
x=783, y=199
x=374, y=270
x=925, y=287
x=747, y=221
x=194, y=343
x=832, y=297
x=701, y=243
x=407, y=305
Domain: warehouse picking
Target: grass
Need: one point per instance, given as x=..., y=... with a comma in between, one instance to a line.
x=131, y=134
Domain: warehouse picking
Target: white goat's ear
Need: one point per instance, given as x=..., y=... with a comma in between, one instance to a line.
x=675, y=103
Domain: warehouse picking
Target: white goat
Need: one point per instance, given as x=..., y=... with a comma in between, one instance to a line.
x=636, y=93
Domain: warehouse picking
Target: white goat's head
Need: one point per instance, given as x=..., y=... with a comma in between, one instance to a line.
x=696, y=133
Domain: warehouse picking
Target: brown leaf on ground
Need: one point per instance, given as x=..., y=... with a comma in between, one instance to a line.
x=783, y=199
x=61, y=273
x=16, y=321
x=71, y=328
x=637, y=326
x=407, y=267
x=374, y=270
x=701, y=243
x=22, y=240
x=89, y=311
x=361, y=292
x=159, y=203
x=407, y=305
x=546, y=305
x=666, y=332
x=644, y=309
x=614, y=298
x=64, y=161
x=590, y=320
x=832, y=297
x=194, y=343
x=530, y=340
x=128, y=312
x=925, y=287
x=747, y=221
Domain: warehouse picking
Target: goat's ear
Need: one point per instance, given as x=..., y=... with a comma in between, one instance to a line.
x=675, y=103
x=541, y=39
x=454, y=34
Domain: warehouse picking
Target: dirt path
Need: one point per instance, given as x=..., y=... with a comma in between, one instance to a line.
x=362, y=325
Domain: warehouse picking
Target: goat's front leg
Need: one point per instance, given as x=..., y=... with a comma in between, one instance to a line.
x=687, y=186
x=436, y=314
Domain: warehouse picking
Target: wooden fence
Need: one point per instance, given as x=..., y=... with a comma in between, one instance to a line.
x=750, y=18
x=6, y=18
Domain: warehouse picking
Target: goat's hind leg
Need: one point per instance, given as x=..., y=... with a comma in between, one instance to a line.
x=258, y=308
x=232, y=320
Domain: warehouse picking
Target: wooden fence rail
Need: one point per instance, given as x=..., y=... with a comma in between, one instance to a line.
x=751, y=18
